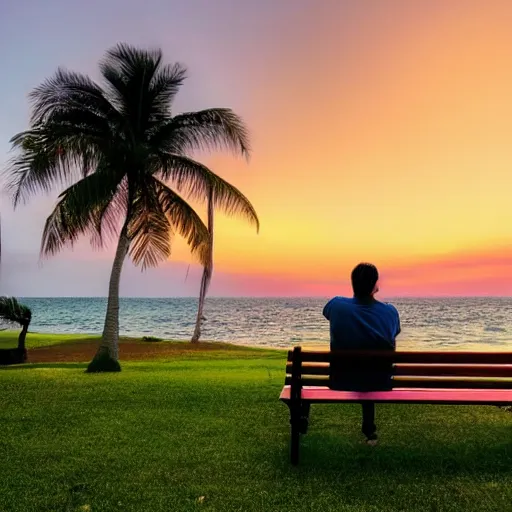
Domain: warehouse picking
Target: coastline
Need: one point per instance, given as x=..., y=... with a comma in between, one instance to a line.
x=58, y=347
x=444, y=324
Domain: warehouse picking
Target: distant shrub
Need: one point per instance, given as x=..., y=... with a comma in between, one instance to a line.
x=151, y=338
x=13, y=312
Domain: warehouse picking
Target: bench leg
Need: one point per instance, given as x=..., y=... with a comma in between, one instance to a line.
x=295, y=430
x=304, y=417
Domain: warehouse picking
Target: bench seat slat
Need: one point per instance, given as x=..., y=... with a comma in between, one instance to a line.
x=426, y=382
x=461, y=370
x=442, y=370
x=411, y=357
x=399, y=395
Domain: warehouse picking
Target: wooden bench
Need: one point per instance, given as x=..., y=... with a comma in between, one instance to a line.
x=452, y=378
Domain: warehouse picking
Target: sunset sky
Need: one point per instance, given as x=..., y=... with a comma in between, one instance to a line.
x=381, y=131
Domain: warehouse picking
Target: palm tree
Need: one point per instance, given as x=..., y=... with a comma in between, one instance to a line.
x=116, y=147
x=215, y=197
x=13, y=312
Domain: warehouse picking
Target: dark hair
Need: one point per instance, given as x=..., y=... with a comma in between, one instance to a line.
x=364, y=279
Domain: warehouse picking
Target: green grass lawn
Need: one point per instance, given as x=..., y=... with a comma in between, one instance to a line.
x=209, y=433
x=9, y=339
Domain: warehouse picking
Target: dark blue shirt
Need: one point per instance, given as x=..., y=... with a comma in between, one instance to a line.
x=356, y=325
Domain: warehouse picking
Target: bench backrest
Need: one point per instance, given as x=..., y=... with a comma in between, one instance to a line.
x=460, y=370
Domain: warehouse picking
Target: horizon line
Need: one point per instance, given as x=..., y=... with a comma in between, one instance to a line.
x=263, y=297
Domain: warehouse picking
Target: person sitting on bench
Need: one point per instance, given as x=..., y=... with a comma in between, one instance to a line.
x=362, y=323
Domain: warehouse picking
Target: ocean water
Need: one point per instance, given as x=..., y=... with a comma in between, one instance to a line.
x=436, y=324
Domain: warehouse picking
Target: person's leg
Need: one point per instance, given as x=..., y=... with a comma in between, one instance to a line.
x=369, y=428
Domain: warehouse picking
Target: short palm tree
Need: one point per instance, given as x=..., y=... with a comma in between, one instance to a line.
x=13, y=312
x=117, y=147
x=215, y=196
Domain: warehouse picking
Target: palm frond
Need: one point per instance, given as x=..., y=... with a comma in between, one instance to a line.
x=206, y=130
x=80, y=126
x=78, y=211
x=12, y=311
x=196, y=180
x=51, y=154
x=35, y=168
x=67, y=90
x=185, y=221
x=131, y=62
x=163, y=88
x=108, y=219
x=143, y=89
x=72, y=127
x=149, y=229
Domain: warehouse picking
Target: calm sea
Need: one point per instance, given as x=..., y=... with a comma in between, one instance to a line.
x=451, y=323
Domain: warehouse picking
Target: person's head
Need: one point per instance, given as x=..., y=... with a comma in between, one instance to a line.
x=364, y=280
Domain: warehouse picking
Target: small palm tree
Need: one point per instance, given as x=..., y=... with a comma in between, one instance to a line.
x=118, y=145
x=216, y=195
x=13, y=312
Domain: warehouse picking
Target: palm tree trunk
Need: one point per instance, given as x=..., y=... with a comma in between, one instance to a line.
x=207, y=272
x=21, y=341
x=106, y=358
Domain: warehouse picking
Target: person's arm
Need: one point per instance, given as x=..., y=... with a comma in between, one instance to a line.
x=327, y=310
x=398, y=328
x=394, y=325
x=395, y=322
